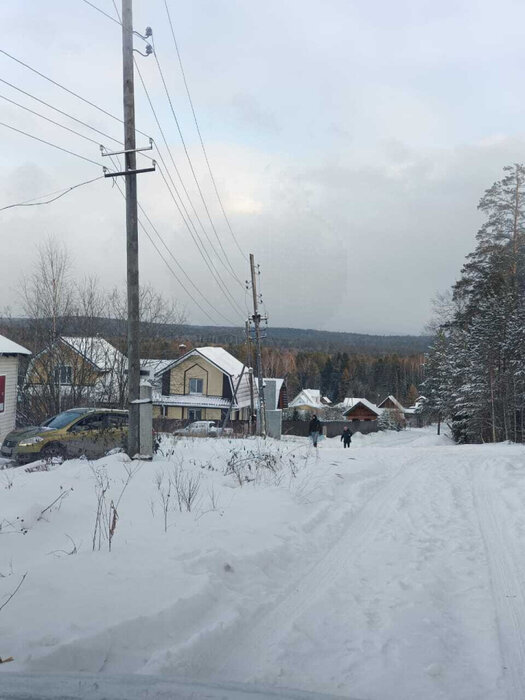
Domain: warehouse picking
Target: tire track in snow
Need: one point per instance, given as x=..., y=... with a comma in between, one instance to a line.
x=243, y=649
x=507, y=593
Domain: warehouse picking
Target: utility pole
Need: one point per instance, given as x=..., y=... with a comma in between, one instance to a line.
x=250, y=368
x=261, y=413
x=132, y=238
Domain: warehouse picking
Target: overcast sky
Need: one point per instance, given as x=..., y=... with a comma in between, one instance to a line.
x=350, y=141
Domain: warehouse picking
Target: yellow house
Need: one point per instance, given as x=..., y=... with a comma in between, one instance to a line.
x=78, y=369
x=200, y=385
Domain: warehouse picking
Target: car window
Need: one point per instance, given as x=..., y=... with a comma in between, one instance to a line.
x=62, y=419
x=117, y=420
x=95, y=421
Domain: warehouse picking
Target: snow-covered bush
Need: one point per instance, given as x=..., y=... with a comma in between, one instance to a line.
x=391, y=419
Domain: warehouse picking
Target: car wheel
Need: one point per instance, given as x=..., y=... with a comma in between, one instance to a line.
x=53, y=450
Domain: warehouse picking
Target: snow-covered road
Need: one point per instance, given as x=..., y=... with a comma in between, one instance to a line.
x=392, y=570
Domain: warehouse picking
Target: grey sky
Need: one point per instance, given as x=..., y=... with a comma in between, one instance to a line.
x=351, y=142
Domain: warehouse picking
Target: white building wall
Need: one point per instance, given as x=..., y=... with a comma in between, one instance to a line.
x=9, y=368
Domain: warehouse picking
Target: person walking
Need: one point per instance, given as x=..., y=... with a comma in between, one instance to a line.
x=314, y=429
x=346, y=436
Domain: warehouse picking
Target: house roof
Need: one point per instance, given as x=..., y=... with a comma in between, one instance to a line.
x=9, y=347
x=307, y=397
x=97, y=351
x=371, y=406
x=394, y=401
x=155, y=366
x=197, y=401
x=347, y=402
x=220, y=357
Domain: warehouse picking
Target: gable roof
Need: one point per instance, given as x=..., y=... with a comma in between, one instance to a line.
x=364, y=402
x=307, y=397
x=219, y=357
x=9, y=347
x=96, y=350
x=393, y=400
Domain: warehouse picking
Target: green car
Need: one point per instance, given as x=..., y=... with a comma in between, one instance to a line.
x=79, y=431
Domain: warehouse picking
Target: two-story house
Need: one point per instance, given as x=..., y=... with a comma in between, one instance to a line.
x=200, y=385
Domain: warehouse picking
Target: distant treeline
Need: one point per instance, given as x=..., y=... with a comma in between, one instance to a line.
x=292, y=338
x=339, y=364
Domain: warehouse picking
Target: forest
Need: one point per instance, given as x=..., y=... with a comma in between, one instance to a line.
x=475, y=369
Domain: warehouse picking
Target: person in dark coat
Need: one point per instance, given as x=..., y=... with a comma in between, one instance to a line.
x=346, y=436
x=314, y=429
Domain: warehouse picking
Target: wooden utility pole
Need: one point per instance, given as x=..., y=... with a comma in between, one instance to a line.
x=261, y=412
x=132, y=237
x=249, y=362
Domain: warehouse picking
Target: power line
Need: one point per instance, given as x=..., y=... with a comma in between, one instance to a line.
x=183, y=211
x=34, y=203
x=209, y=264
x=65, y=114
x=181, y=207
x=167, y=263
x=52, y=121
x=185, y=216
x=184, y=271
x=54, y=145
x=71, y=92
x=188, y=157
x=98, y=9
x=199, y=132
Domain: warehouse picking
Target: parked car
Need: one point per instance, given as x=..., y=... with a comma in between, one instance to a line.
x=73, y=433
x=204, y=427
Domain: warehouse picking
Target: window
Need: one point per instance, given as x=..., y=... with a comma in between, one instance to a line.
x=195, y=413
x=164, y=411
x=63, y=374
x=94, y=421
x=117, y=420
x=196, y=386
x=2, y=393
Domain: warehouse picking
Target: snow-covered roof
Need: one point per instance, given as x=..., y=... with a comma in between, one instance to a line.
x=194, y=400
x=307, y=397
x=9, y=347
x=378, y=411
x=347, y=402
x=98, y=351
x=220, y=357
x=154, y=366
x=394, y=401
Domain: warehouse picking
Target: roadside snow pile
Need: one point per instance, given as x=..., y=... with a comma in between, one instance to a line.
x=392, y=570
x=194, y=536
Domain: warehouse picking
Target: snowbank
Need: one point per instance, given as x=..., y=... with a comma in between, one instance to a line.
x=371, y=572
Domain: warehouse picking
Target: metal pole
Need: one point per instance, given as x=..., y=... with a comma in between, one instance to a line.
x=131, y=229
x=261, y=413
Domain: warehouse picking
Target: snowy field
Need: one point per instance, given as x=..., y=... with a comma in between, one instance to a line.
x=393, y=570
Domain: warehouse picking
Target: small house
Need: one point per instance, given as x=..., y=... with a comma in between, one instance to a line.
x=362, y=410
x=309, y=400
x=10, y=353
x=203, y=384
x=79, y=369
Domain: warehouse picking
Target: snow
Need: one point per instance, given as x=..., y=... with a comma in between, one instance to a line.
x=97, y=350
x=191, y=400
x=391, y=570
x=9, y=347
x=371, y=406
